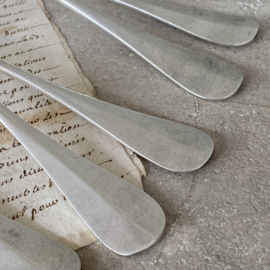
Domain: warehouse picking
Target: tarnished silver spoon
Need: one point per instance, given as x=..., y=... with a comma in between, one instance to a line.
x=220, y=28
x=35, y=250
x=123, y=217
x=202, y=75
x=170, y=145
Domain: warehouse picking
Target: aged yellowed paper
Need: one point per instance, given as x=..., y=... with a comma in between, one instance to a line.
x=29, y=41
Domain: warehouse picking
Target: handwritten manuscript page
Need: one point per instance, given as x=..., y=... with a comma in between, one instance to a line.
x=31, y=42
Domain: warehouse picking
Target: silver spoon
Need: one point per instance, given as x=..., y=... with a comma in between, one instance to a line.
x=170, y=145
x=202, y=75
x=37, y=250
x=124, y=218
x=220, y=28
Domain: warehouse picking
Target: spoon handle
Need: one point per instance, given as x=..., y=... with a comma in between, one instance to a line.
x=203, y=76
x=219, y=28
x=41, y=251
x=123, y=217
x=171, y=145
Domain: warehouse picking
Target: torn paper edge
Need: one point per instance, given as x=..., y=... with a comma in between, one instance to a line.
x=89, y=86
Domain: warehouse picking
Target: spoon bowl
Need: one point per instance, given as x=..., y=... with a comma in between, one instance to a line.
x=172, y=146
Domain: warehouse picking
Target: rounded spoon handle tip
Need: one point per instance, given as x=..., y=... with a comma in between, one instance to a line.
x=170, y=145
x=202, y=75
x=123, y=217
x=216, y=27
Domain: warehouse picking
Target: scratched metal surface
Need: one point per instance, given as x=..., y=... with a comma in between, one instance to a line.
x=219, y=216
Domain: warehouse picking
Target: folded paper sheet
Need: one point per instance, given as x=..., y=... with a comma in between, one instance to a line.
x=27, y=194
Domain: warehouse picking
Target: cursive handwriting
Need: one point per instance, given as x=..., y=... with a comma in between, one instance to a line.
x=55, y=115
x=37, y=189
x=15, y=197
x=6, y=15
x=11, y=33
x=24, y=39
x=73, y=142
x=110, y=160
x=3, y=57
x=20, y=19
x=17, y=3
x=15, y=143
x=6, y=80
x=51, y=183
x=35, y=96
x=13, y=162
x=20, y=213
x=65, y=128
x=13, y=91
x=33, y=121
x=30, y=172
x=3, y=24
x=29, y=61
x=9, y=103
x=89, y=153
x=5, y=182
x=42, y=207
x=37, y=106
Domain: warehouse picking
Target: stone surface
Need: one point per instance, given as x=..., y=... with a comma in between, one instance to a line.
x=219, y=216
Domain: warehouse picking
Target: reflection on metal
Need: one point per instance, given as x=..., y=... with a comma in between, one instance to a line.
x=220, y=28
x=123, y=217
x=202, y=75
x=36, y=250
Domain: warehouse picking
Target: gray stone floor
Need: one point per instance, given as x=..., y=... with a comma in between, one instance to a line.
x=219, y=216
